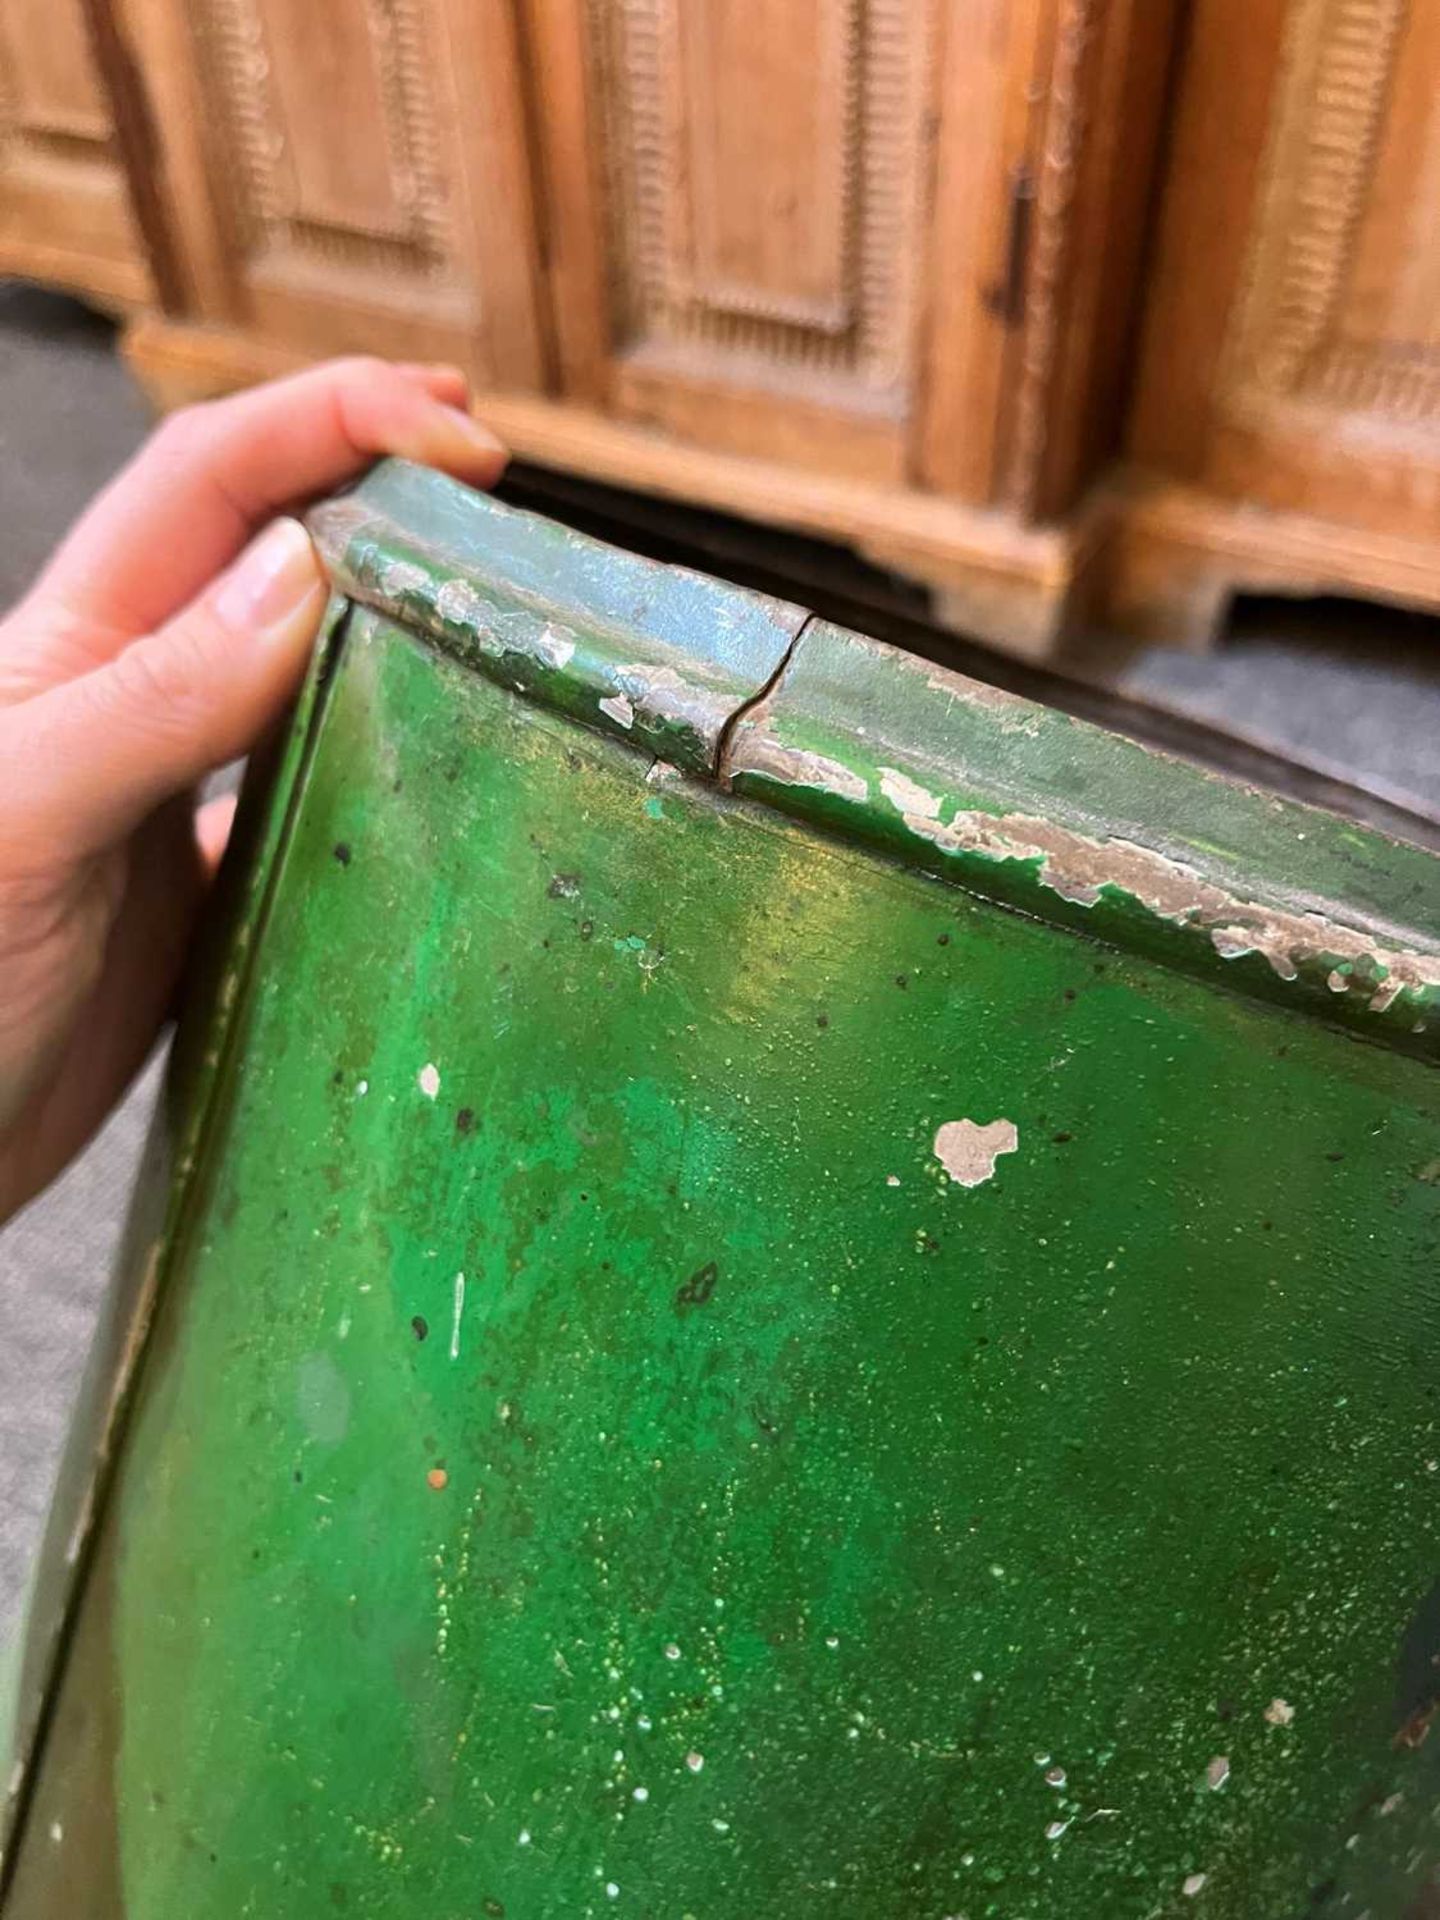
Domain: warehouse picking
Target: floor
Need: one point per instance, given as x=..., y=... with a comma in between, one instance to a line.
x=1350, y=690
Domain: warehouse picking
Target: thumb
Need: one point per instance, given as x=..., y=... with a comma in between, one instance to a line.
x=98, y=753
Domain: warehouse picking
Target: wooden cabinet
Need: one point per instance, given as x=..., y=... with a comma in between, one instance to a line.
x=1291, y=376
x=65, y=214
x=1076, y=310
x=750, y=211
x=349, y=177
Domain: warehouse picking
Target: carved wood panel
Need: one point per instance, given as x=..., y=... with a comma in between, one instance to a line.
x=328, y=109
x=1341, y=288
x=350, y=175
x=764, y=180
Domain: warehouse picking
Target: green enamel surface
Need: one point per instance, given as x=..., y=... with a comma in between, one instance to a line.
x=767, y=1447
x=150, y=1227
x=853, y=711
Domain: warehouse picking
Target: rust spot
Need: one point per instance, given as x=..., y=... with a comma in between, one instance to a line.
x=437, y=1478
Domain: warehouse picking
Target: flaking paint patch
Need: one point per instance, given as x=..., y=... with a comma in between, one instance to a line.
x=795, y=767
x=660, y=693
x=907, y=796
x=403, y=576
x=554, y=648
x=968, y=1151
x=620, y=710
x=457, y=601
x=1078, y=867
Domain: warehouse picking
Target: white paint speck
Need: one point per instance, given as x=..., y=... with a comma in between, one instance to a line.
x=968, y=1151
x=1279, y=1713
x=1217, y=1773
x=672, y=1652
x=457, y=1315
x=694, y=1761
x=832, y=1640
x=1055, y=1829
x=429, y=1079
x=642, y=1794
x=619, y=709
x=892, y=1179
x=721, y=1826
x=1389, y=1806
x=343, y=1329
x=57, y=1832
x=524, y=1839
x=362, y=1087
x=611, y=1890
x=1055, y=1777
x=1193, y=1883
x=644, y=1722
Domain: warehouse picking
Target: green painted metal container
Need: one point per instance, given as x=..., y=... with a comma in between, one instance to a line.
x=775, y=1284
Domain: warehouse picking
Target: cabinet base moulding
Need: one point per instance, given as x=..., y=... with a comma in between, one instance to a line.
x=1175, y=557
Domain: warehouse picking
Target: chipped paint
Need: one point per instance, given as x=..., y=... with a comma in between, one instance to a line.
x=1279, y=1713
x=402, y=576
x=554, y=648
x=620, y=710
x=659, y=693
x=428, y=1080
x=795, y=767
x=457, y=601
x=907, y=796
x=1078, y=868
x=968, y=1151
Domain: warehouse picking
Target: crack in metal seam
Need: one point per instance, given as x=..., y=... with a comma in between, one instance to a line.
x=720, y=769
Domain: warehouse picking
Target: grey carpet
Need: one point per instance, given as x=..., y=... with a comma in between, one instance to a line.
x=1355, y=689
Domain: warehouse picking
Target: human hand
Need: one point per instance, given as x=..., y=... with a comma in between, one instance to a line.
x=145, y=656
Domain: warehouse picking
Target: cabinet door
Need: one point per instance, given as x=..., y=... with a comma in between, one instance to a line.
x=893, y=239
x=64, y=212
x=1293, y=351
x=739, y=190
x=348, y=176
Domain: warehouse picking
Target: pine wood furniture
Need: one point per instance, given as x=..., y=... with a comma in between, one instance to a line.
x=1078, y=311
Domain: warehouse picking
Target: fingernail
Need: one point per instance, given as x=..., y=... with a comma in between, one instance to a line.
x=475, y=435
x=270, y=582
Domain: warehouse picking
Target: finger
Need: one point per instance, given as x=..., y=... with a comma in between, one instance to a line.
x=212, y=830
x=212, y=474
x=94, y=756
x=439, y=379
